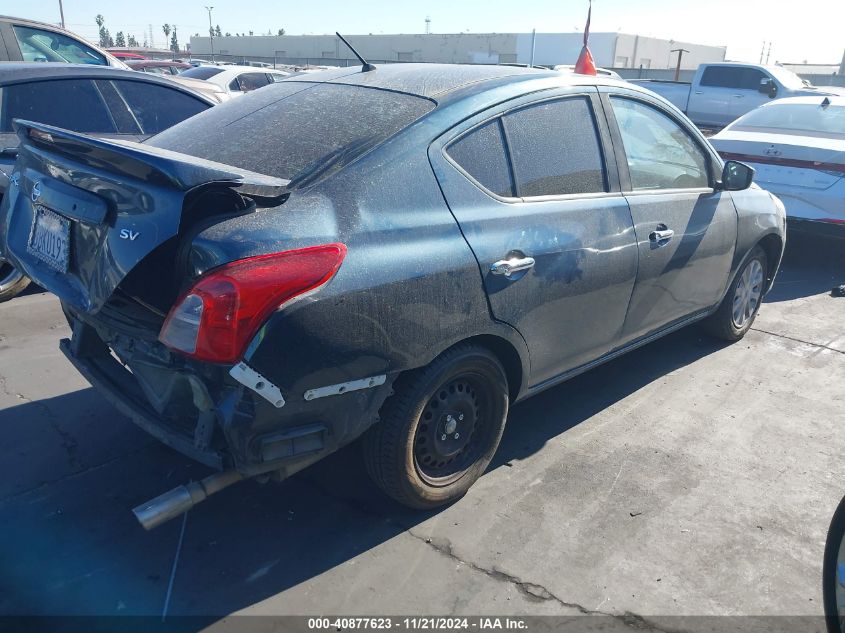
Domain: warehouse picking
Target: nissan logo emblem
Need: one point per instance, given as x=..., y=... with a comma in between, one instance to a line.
x=36, y=191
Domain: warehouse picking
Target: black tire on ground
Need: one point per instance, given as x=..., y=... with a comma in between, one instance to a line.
x=722, y=323
x=416, y=452
x=14, y=288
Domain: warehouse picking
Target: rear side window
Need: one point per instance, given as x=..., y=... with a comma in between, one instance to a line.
x=481, y=153
x=74, y=104
x=736, y=77
x=555, y=149
x=157, y=108
x=295, y=129
x=250, y=81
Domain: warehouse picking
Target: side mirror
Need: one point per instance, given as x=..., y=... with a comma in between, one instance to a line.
x=736, y=176
x=768, y=87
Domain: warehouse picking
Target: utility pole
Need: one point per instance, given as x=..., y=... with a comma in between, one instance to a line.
x=769, y=53
x=762, y=51
x=210, y=32
x=428, y=25
x=62, y=13
x=680, y=52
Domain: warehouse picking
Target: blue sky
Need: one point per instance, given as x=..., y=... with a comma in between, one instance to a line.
x=808, y=30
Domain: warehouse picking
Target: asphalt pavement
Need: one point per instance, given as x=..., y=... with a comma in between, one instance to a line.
x=688, y=477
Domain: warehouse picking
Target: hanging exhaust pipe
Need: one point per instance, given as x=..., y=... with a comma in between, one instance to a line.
x=182, y=498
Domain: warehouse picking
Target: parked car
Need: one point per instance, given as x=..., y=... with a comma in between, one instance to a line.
x=158, y=67
x=30, y=41
x=720, y=93
x=125, y=56
x=382, y=252
x=235, y=80
x=797, y=147
x=108, y=102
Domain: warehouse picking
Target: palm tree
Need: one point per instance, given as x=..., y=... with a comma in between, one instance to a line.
x=166, y=29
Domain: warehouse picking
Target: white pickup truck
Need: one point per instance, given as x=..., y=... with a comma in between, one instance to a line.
x=720, y=93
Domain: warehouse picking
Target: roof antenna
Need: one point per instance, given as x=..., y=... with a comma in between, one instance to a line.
x=366, y=66
x=826, y=103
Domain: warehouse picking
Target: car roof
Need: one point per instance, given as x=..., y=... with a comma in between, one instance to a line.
x=232, y=71
x=438, y=80
x=23, y=72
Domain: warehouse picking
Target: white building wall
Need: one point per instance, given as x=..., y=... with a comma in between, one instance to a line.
x=609, y=49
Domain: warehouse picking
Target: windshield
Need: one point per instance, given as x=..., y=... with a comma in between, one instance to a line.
x=788, y=78
x=295, y=130
x=806, y=119
x=201, y=72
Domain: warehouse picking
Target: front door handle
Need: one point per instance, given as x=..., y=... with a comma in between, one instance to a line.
x=661, y=235
x=508, y=267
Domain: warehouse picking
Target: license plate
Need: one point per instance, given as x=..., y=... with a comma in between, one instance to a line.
x=49, y=239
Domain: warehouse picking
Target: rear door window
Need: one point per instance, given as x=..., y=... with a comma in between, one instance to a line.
x=722, y=77
x=252, y=81
x=74, y=104
x=38, y=45
x=555, y=148
x=155, y=107
x=481, y=154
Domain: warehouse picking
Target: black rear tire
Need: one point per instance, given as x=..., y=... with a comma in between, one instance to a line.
x=723, y=323
x=410, y=455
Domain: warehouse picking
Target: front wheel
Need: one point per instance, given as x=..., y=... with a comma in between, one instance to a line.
x=739, y=308
x=440, y=428
x=12, y=281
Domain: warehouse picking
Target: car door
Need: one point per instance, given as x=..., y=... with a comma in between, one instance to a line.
x=686, y=230
x=747, y=95
x=711, y=101
x=542, y=211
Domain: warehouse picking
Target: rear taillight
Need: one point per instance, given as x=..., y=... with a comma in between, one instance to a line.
x=216, y=319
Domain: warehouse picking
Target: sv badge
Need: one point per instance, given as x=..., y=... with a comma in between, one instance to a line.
x=129, y=234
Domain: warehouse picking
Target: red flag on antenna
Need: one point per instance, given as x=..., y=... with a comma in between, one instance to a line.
x=586, y=65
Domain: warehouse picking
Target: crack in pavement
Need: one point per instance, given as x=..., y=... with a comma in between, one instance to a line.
x=532, y=591
x=798, y=340
x=78, y=473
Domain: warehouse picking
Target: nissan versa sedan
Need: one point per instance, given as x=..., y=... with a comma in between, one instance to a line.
x=400, y=253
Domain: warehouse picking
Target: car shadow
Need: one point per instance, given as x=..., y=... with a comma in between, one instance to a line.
x=72, y=545
x=812, y=264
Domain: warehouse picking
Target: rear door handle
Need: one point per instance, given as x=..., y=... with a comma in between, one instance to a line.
x=661, y=235
x=508, y=267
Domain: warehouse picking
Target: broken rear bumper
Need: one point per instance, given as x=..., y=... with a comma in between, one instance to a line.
x=113, y=382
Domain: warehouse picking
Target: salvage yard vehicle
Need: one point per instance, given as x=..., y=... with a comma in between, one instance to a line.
x=797, y=147
x=720, y=93
x=400, y=252
x=106, y=101
x=235, y=80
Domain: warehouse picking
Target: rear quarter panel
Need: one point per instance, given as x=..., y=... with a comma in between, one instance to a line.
x=408, y=289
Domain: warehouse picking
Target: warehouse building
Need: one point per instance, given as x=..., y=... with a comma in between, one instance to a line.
x=610, y=50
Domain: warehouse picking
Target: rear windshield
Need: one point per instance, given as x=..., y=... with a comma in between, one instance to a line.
x=295, y=130
x=806, y=119
x=201, y=72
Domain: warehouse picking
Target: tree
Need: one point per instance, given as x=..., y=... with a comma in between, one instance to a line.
x=217, y=31
x=104, y=34
x=119, y=39
x=174, y=42
x=281, y=32
x=166, y=29
x=228, y=34
x=131, y=41
x=251, y=33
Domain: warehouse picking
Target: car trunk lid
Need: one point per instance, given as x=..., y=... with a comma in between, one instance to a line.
x=81, y=212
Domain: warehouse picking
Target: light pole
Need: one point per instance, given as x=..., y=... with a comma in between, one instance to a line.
x=62, y=13
x=680, y=52
x=210, y=32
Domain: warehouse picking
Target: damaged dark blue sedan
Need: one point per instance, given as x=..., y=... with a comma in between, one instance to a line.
x=400, y=252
